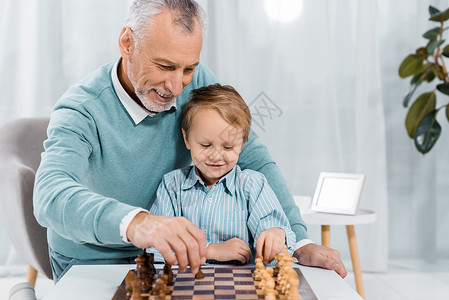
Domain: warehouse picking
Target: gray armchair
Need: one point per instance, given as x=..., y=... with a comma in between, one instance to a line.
x=20, y=154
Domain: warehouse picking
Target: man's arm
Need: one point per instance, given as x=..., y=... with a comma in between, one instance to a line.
x=62, y=201
x=178, y=240
x=255, y=156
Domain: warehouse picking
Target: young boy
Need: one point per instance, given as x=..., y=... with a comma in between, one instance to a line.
x=232, y=207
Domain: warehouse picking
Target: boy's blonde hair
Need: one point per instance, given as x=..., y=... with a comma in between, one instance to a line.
x=225, y=100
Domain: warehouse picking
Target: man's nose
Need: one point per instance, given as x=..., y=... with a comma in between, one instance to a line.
x=174, y=83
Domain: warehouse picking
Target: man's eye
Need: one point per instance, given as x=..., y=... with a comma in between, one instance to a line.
x=189, y=70
x=167, y=68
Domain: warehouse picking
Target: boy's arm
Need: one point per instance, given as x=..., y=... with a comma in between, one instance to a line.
x=255, y=156
x=166, y=199
x=265, y=211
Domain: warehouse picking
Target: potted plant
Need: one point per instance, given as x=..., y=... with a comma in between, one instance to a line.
x=425, y=65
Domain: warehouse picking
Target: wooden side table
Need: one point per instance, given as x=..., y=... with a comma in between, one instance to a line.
x=326, y=220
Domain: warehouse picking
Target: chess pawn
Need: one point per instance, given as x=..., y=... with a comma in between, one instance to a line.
x=279, y=267
x=270, y=271
x=292, y=286
x=276, y=268
x=268, y=286
x=290, y=275
x=130, y=278
x=199, y=274
x=262, y=275
x=161, y=295
x=159, y=286
x=259, y=268
x=168, y=271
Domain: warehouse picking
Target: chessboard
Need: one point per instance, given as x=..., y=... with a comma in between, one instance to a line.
x=219, y=282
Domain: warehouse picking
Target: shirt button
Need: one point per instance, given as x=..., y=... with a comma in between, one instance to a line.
x=210, y=199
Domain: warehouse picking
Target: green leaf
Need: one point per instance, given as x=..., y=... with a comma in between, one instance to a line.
x=432, y=33
x=447, y=112
x=427, y=133
x=433, y=10
x=410, y=65
x=444, y=88
x=427, y=73
x=440, y=16
x=410, y=94
x=420, y=108
x=433, y=45
x=434, y=70
x=446, y=51
x=422, y=52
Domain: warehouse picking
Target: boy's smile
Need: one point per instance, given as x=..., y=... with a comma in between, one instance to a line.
x=214, y=145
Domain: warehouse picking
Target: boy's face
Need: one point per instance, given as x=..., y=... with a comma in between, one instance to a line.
x=214, y=145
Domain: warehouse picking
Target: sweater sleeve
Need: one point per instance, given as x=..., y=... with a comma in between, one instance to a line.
x=255, y=156
x=62, y=199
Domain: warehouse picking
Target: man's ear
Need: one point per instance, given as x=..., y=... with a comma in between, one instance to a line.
x=126, y=42
x=185, y=139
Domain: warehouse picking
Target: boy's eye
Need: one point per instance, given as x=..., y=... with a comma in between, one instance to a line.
x=228, y=147
x=205, y=145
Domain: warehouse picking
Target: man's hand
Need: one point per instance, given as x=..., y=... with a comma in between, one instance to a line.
x=320, y=256
x=269, y=243
x=169, y=234
x=233, y=249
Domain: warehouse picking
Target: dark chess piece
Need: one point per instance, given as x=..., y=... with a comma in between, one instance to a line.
x=149, y=263
x=168, y=271
x=200, y=274
x=141, y=268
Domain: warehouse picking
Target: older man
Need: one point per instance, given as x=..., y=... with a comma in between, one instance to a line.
x=114, y=134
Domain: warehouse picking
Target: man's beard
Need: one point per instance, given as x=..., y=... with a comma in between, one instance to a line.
x=142, y=95
x=152, y=106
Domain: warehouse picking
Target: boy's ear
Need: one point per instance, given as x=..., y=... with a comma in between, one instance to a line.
x=185, y=139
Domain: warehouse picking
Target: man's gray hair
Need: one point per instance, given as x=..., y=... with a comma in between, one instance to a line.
x=142, y=13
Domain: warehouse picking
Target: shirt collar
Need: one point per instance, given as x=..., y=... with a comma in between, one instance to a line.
x=228, y=180
x=137, y=112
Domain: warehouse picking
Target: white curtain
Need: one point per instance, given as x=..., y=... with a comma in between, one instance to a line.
x=48, y=45
x=418, y=186
x=330, y=76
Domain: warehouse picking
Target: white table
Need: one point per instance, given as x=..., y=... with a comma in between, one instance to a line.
x=100, y=283
x=326, y=219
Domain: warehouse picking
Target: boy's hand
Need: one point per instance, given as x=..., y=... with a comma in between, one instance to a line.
x=233, y=249
x=269, y=243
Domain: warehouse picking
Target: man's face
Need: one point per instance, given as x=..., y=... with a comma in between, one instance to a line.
x=214, y=145
x=163, y=64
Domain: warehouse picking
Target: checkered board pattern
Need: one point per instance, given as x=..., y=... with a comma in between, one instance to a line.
x=222, y=283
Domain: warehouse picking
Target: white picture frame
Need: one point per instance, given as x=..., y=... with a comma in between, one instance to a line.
x=338, y=193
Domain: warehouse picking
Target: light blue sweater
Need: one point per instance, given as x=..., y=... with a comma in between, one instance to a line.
x=98, y=165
